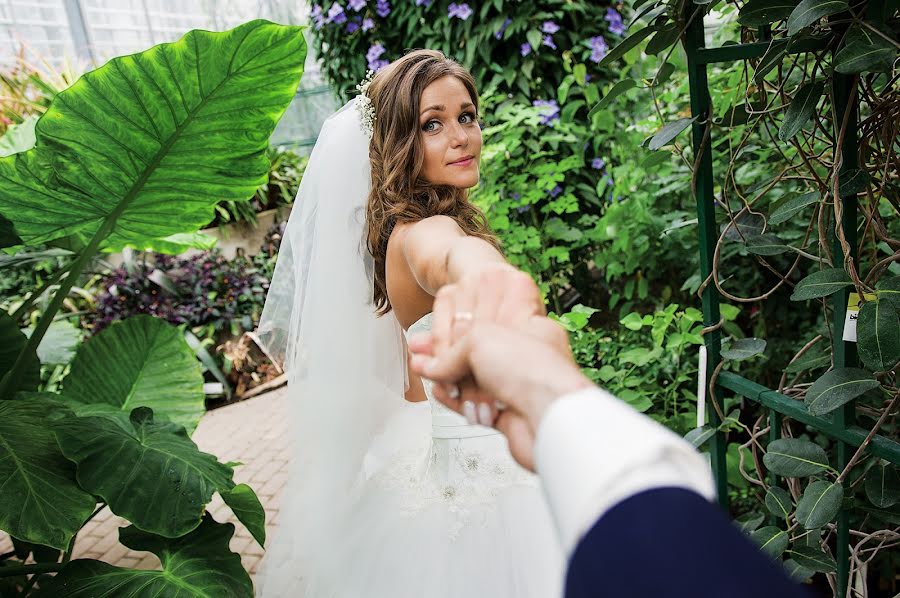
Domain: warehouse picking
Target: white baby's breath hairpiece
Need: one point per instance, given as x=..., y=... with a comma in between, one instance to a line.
x=364, y=105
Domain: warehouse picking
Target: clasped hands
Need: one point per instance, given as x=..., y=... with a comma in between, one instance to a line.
x=494, y=356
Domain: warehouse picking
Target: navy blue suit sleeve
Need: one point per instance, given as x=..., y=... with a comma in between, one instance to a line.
x=672, y=542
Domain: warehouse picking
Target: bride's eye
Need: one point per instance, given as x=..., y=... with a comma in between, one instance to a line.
x=425, y=128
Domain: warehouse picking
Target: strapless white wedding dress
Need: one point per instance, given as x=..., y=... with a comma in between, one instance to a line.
x=447, y=514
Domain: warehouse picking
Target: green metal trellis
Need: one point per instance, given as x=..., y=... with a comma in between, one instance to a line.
x=840, y=425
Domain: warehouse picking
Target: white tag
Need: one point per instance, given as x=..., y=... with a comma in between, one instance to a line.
x=853, y=315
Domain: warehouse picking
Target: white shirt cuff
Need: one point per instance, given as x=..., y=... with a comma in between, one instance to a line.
x=593, y=451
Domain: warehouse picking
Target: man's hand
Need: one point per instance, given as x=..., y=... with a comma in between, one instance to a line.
x=525, y=369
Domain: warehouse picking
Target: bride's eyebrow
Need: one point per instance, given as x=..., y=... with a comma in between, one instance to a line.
x=441, y=107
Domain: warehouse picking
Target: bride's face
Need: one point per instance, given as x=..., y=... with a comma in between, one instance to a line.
x=450, y=132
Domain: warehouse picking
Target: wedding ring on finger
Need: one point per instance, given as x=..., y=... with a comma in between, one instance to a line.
x=463, y=315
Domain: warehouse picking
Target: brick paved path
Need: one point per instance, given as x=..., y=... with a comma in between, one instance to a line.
x=253, y=432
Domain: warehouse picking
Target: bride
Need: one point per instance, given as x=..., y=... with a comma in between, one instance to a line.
x=386, y=497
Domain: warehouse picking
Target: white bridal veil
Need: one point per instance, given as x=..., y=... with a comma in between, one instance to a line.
x=346, y=367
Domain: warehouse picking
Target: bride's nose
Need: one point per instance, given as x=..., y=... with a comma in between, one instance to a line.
x=458, y=135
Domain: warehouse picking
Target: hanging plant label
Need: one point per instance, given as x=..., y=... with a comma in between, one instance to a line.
x=852, y=315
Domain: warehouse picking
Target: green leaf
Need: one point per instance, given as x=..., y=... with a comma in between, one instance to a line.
x=147, y=144
x=883, y=485
x=199, y=565
x=614, y=92
x=627, y=44
x=743, y=348
x=669, y=132
x=19, y=137
x=766, y=244
x=836, y=388
x=889, y=289
x=795, y=458
x=246, y=506
x=771, y=540
x=148, y=472
x=810, y=11
x=878, y=335
x=762, y=12
x=180, y=243
x=663, y=39
x=821, y=284
x=801, y=109
x=140, y=361
x=772, y=58
x=797, y=571
x=815, y=358
x=698, y=436
x=534, y=38
x=745, y=225
x=814, y=559
x=853, y=181
x=779, y=502
x=819, y=504
x=12, y=342
x=794, y=206
x=59, y=343
x=632, y=321
x=859, y=58
x=750, y=522
x=41, y=503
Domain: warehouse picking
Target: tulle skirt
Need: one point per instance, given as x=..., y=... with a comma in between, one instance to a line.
x=435, y=518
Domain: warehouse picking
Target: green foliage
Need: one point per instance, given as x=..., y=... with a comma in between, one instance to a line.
x=134, y=152
x=489, y=42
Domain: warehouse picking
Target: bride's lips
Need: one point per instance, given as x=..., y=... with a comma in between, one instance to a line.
x=465, y=162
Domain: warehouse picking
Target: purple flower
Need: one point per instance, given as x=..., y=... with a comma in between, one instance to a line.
x=555, y=191
x=375, y=50
x=317, y=16
x=367, y=24
x=551, y=112
x=599, y=48
x=548, y=41
x=460, y=11
x=425, y=3
x=587, y=77
x=499, y=33
x=598, y=163
x=523, y=209
x=357, y=5
x=549, y=27
x=334, y=13
x=614, y=19
x=352, y=26
x=383, y=8
x=525, y=50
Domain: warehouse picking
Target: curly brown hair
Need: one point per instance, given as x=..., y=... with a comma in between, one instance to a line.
x=399, y=194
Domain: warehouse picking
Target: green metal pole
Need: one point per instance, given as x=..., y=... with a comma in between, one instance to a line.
x=844, y=352
x=701, y=108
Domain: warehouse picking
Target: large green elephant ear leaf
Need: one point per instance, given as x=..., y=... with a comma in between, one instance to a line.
x=147, y=472
x=199, y=565
x=141, y=361
x=40, y=501
x=12, y=341
x=143, y=147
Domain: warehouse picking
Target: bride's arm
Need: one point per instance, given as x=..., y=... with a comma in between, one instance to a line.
x=439, y=252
